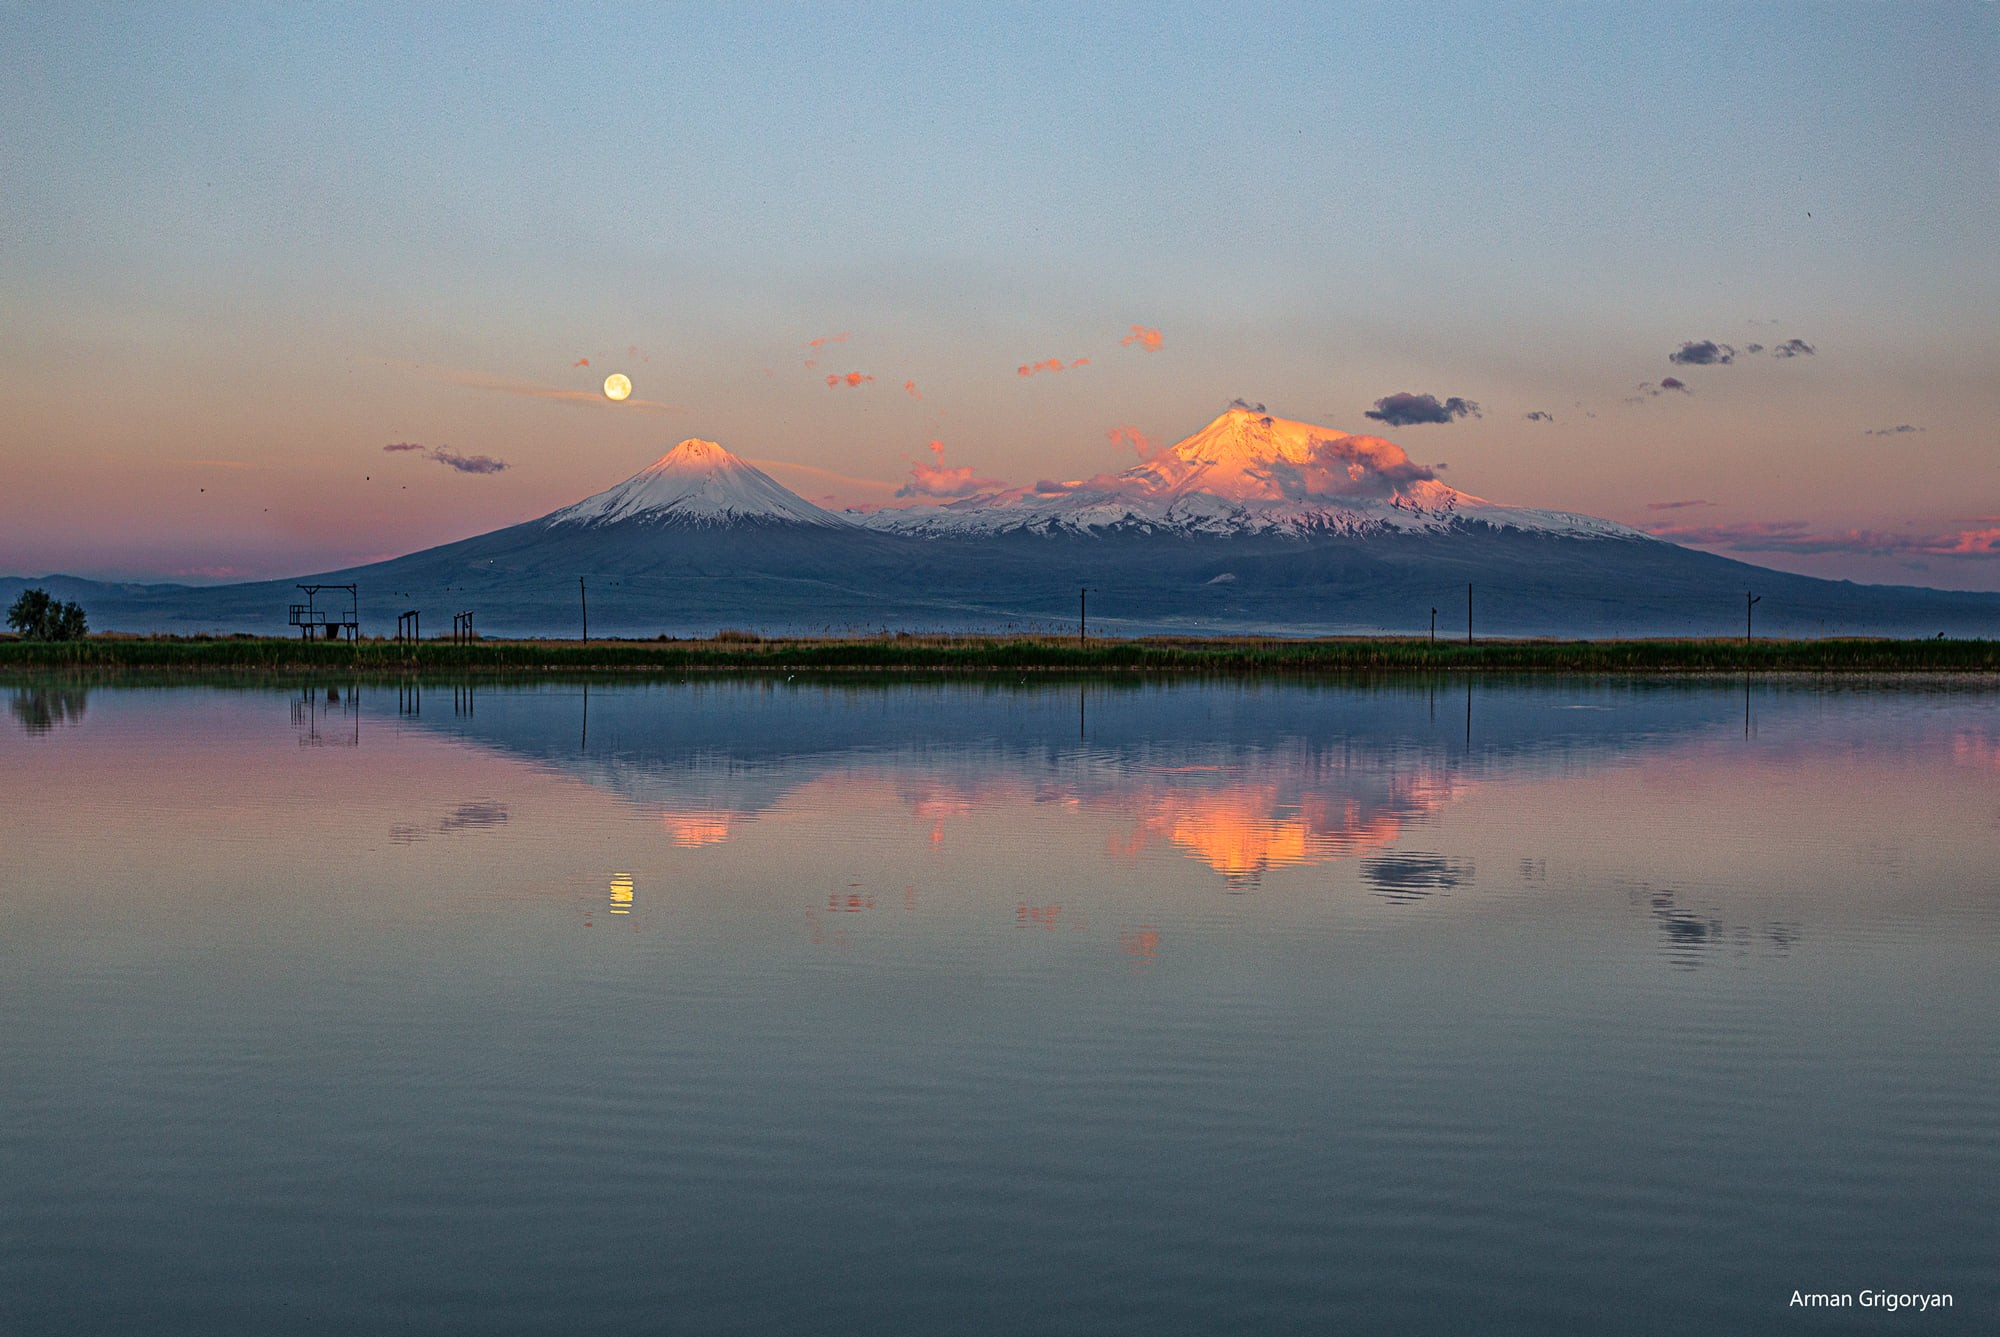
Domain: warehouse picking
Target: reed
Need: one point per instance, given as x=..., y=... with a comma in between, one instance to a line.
x=908, y=652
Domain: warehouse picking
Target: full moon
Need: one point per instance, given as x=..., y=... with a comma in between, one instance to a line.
x=617, y=385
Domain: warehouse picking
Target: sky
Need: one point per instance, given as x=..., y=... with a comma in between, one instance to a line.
x=1725, y=272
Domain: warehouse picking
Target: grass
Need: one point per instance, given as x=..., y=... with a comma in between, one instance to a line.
x=743, y=651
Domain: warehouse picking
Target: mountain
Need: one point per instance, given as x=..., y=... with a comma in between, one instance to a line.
x=1246, y=473
x=1255, y=524
x=696, y=483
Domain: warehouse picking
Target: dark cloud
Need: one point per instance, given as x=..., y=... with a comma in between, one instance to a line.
x=1648, y=390
x=451, y=459
x=467, y=464
x=1246, y=404
x=1794, y=348
x=1675, y=505
x=1408, y=410
x=1753, y=348
x=1900, y=429
x=1703, y=353
x=1537, y=415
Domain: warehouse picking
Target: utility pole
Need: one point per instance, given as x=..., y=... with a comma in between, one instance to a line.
x=1468, y=612
x=1434, y=626
x=1749, y=601
x=584, y=599
x=1082, y=626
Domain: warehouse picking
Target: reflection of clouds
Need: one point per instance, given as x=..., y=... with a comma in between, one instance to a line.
x=473, y=816
x=937, y=805
x=1689, y=939
x=1142, y=944
x=1405, y=876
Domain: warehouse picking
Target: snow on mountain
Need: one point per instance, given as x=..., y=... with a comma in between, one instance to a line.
x=1246, y=472
x=697, y=483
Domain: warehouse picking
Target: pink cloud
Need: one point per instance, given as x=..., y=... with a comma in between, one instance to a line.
x=816, y=345
x=850, y=380
x=1049, y=364
x=935, y=480
x=910, y=389
x=1133, y=437
x=581, y=362
x=1145, y=338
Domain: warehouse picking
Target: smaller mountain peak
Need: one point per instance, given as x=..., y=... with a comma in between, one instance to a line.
x=699, y=483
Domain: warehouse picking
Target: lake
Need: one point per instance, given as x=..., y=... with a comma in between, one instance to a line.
x=1517, y=1006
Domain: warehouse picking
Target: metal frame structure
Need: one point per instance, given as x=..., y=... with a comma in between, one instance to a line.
x=327, y=622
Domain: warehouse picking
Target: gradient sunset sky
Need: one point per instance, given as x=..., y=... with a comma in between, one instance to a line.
x=244, y=249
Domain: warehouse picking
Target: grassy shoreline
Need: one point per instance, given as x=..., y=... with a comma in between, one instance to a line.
x=975, y=655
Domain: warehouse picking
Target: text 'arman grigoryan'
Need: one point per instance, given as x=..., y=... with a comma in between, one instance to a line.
x=1870, y=1300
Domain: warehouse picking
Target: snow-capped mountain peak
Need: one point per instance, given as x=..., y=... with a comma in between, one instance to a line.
x=1246, y=472
x=697, y=483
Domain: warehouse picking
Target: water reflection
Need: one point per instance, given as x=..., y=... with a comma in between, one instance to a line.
x=1244, y=788
x=941, y=970
x=693, y=829
x=1141, y=945
x=1412, y=876
x=477, y=814
x=1244, y=827
x=328, y=716
x=1690, y=936
x=42, y=709
x=1245, y=781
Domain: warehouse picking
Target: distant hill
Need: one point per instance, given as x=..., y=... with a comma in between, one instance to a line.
x=1254, y=524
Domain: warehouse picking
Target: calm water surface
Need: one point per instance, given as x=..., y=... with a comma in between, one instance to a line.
x=764, y=1007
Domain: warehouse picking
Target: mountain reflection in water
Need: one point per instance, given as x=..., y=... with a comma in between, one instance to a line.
x=1261, y=788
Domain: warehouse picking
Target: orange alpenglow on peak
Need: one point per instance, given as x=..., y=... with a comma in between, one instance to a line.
x=1249, y=455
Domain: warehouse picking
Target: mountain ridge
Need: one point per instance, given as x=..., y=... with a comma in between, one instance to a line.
x=1245, y=472
x=1255, y=524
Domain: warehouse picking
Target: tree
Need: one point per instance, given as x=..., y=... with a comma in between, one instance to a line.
x=41, y=618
